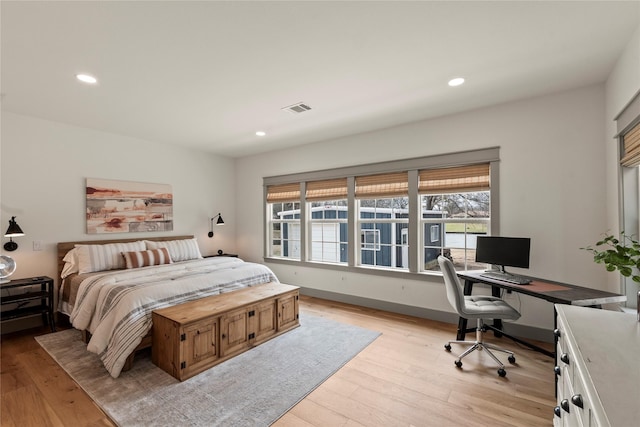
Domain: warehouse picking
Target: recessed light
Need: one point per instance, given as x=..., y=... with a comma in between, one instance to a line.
x=86, y=78
x=260, y=133
x=456, y=82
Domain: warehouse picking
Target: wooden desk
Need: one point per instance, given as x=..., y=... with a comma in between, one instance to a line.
x=554, y=292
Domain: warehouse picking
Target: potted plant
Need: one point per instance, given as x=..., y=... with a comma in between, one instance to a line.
x=621, y=254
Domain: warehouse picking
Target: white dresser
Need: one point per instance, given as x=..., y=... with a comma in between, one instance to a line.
x=598, y=368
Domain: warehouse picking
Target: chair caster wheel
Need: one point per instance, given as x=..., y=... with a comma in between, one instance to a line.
x=458, y=363
x=512, y=359
x=502, y=372
x=447, y=347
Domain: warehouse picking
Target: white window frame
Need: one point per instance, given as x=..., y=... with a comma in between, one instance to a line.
x=393, y=246
x=313, y=222
x=448, y=220
x=293, y=222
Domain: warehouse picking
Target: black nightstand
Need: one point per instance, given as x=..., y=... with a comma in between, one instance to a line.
x=24, y=291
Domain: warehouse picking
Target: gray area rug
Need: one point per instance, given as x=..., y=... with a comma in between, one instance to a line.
x=252, y=389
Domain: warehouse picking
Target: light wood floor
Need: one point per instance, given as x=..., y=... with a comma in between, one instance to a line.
x=404, y=378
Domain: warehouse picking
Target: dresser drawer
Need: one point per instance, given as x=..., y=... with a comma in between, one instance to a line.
x=580, y=402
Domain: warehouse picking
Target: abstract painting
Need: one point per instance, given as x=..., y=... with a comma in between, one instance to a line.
x=128, y=207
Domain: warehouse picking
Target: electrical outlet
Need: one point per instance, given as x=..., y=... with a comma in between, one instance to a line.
x=37, y=245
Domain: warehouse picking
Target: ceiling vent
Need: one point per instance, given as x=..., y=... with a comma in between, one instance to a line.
x=297, y=108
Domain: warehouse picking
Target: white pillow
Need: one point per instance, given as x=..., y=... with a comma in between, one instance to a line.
x=105, y=257
x=70, y=263
x=179, y=250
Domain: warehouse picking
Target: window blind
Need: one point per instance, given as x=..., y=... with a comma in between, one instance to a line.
x=631, y=143
x=454, y=180
x=328, y=189
x=382, y=185
x=283, y=193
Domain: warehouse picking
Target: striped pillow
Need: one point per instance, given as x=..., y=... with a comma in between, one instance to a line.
x=146, y=258
x=104, y=257
x=179, y=250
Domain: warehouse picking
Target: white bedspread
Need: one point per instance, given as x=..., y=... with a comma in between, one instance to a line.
x=116, y=306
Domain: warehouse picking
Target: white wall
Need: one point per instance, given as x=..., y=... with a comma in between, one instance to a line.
x=552, y=189
x=44, y=166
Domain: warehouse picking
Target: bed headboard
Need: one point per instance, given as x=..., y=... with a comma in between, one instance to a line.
x=64, y=247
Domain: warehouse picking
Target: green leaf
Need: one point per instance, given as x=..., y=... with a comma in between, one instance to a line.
x=625, y=271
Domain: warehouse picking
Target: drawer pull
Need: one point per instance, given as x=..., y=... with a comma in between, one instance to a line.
x=564, y=404
x=576, y=399
x=556, y=333
x=557, y=411
x=565, y=358
x=557, y=370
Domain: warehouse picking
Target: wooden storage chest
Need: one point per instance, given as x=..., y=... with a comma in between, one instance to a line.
x=191, y=337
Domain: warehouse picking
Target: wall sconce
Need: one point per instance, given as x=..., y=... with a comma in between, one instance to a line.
x=14, y=230
x=219, y=222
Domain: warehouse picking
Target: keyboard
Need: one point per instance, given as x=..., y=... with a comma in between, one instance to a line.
x=506, y=277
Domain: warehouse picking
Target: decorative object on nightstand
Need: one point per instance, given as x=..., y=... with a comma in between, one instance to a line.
x=14, y=230
x=220, y=221
x=7, y=268
x=29, y=294
x=221, y=253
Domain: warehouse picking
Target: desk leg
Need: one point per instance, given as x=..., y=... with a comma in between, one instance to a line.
x=462, y=328
x=497, y=323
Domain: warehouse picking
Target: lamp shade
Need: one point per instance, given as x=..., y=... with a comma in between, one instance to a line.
x=14, y=229
x=220, y=220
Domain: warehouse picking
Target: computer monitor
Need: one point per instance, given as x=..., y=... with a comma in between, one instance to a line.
x=503, y=251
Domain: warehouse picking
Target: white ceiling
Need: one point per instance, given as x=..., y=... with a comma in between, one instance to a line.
x=210, y=74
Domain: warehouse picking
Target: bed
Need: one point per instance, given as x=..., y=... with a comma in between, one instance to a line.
x=110, y=288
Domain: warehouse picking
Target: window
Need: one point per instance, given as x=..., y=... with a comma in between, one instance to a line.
x=381, y=224
x=328, y=225
x=392, y=217
x=382, y=215
x=631, y=147
x=464, y=217
x=370, y=239
x=283, y=209
x=435, y=232
x=328, y=220
x=458, y=199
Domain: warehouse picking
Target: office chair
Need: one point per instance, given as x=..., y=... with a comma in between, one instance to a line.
x=477, y=307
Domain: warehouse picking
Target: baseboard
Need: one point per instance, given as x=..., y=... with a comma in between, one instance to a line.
x=522, y=331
